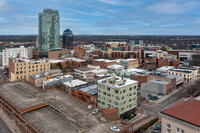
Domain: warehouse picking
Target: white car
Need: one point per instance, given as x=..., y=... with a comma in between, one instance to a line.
x=89, y=107
x=95, y=111
x=116, y=129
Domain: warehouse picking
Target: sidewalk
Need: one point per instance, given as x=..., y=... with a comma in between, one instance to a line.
x=9, y=122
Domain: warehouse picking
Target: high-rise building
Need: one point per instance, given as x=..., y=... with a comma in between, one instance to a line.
x=49, y=30
x=68, y=38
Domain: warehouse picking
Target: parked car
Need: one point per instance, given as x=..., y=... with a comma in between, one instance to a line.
x=157, y=127
x=160, y=94
x=151, y=98
x=89, y=107
x=95, y=111
x=155, y=97
x=113, y=128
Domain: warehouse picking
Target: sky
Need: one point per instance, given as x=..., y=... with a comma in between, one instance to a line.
x=104, y=17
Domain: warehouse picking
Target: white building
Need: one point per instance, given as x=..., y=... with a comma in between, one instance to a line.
x=165, y=69
x=22, y=52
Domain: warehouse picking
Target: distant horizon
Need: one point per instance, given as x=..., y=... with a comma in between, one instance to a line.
x=104, y=17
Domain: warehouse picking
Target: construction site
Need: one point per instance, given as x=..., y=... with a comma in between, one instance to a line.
x=48, y=111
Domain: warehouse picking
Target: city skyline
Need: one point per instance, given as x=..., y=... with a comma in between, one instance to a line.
x=103, y=17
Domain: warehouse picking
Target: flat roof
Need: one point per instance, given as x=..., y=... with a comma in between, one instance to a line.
x=105, y=60
x=74, y=83
x=182, y=70
x=125, y=82
x=133, y=70
x=100, y=70
x=58, y=78
x=48, y=120
x=165, y=68
x=56, y=61
x=90, y=89
x=158, y=82
x=115, y=66
x=20, y=94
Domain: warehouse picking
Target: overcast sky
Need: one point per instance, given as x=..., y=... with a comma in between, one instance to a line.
x=104, y=17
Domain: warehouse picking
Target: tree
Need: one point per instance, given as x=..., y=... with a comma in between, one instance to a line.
x=59, y=65
x=194, y=89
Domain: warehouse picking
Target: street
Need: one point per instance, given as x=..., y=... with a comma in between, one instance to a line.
x=3, y=127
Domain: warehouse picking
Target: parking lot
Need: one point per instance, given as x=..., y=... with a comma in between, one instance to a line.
x=77, y=110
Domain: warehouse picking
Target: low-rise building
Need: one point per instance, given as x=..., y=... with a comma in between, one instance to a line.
x=38, y=79
x=128, y=72
x=117, y=92
x=103, y=63
x=22, y=69
x=187, y=75
x=182, y=117
x=115, y=69
x=57, y=80
x=165, y=69
x=129, y=63
x=88, y=94
x=155, y=86
x=174, y=79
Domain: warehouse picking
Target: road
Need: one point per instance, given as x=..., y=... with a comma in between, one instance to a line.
x=3, y=127
x=155, y=109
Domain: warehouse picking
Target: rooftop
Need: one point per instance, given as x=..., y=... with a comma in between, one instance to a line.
x=74, y=59
x=186, y=109
x=57, y=78
x=74, y=83
x=134, y=70
x=105, y=60
x=165, y=68
x=90, y=89
x=116, y=81
x=158, y=82
x=84, y=69
x=47, y=120
x=115, y=66
x=21, y=94
x=182, y=70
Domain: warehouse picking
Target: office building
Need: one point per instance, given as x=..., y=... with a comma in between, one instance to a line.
x=117, y=92
x=182, y=117
x=68, y=39
x=22, y=69
x=49, y=30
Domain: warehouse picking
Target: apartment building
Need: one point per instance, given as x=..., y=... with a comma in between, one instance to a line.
x=117, y=92
x=21, y=52
x=187, y=75
x=182, y=117
x=22, y=69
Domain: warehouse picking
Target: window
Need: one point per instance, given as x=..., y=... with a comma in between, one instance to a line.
x=103, y=103
x=99, y=91
x=116, y=91
x=117, y=97
x=103, y=98
x=168, y=128
x=122, y=109
x=122, y=97
x=109, y=100
x=130, y=105
x=178, y=130
x=108, y=89
x=104, y=93
x=108, y=94
x=124, y=91
x=116, y=103
x=130, y=89
x=130, y=100
x=182, y=131
x=130, y=94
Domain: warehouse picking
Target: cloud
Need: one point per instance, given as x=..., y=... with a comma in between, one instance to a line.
x=111, y=2
x=87, y=13
x=172, y=7
x=5, y=7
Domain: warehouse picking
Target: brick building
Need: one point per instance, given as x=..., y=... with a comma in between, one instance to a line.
x=104, y=63
x=79, y=51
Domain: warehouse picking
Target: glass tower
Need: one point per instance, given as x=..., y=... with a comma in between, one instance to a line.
x=49, y=30
x=68, y=38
